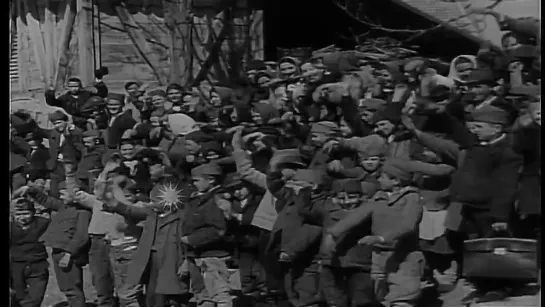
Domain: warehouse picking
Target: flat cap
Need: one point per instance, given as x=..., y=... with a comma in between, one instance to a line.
x=288, y=157
x=324, y=127
x=90, y=134
x=489, y=114
x=116, y=97
x=210, y=169
x=57, y=115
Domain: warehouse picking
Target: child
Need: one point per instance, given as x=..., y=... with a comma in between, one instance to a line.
x=121, y=233
x=203, y=237
x=300, y=241
x=345, y=276
x=245, y=201
x=395, y=214
x=159, y=253
x=29, y=266
x=68, y=239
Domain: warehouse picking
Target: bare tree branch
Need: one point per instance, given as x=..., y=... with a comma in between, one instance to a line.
x=123, y=30
x=416, y=32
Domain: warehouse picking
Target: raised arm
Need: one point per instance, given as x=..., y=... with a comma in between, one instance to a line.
x=43, y=199
x=412, y=215
x=50, y=98
x=246, y=171
x=355, y=218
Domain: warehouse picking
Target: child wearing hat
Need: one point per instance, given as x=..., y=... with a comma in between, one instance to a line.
x=203, y=237
x=484, y=186
x=68, y=239
x=110, y=264
x=90, y=164
x=117, y=120
x=65, y=148
x=298, y=253
x=394, y=213
x=159, y=253
x=345, y=277
x=299, y=241
x=29, y=272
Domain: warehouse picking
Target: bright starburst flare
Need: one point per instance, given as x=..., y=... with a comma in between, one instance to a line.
x=169, y=197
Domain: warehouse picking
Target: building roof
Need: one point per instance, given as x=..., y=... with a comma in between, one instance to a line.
x=441, y=11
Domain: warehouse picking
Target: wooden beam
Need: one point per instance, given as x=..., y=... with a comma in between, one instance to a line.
x=49, y=43
x=36, y=38
x=23, y=55
x=212, y=54
x=139, y=42
x=176, y=16
x=85, y=44
x=62, y=58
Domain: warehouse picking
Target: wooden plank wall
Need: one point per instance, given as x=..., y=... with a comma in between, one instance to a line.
x=123, y=59
x=33, y=76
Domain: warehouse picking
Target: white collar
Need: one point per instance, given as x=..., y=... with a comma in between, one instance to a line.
x=494, y=141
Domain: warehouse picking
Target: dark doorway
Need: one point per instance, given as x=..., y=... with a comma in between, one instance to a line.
x=302, y=23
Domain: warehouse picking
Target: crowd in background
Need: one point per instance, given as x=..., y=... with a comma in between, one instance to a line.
x=340, y=180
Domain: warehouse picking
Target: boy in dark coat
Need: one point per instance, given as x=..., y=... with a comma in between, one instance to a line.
x=299, y=242
x=203, y=236
x=159, y=253
x=65, y=147
x=484, y=186
x=69, y=240
x=116, y=121
x=345, y=276
x=245, y=202
x=28, y=256
x=91, y=161
x=73, y=101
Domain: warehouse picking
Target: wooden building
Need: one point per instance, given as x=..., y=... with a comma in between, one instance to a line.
x=182, y=41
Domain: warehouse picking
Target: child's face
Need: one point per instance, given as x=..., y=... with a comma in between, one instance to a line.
x=127, y=151
x=387, y=183
x=243, y=193
x=202, y=184
x=347, y=199
x=39, y=183
x=535, y=113
x=192, y=147
x=484, y=131
x=23, y=217
x=370, y=164
x=211, y=155
x=384, y=128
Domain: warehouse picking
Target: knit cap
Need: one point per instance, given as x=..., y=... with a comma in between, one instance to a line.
x=116, y=97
